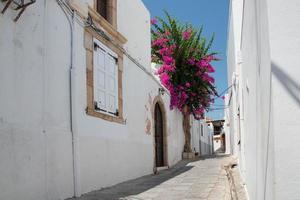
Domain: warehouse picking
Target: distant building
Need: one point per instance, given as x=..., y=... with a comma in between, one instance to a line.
x=201, y=138
x=219, y=136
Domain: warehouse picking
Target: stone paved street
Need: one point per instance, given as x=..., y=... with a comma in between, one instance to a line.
x=198, y=179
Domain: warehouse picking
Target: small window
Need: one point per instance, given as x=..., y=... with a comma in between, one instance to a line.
x=201, y=130
x=108, y=10
x=105, y=80
x=102, y=8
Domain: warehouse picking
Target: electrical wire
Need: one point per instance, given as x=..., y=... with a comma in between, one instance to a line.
x=212, y=109
x=218, y=105
x=223, y=92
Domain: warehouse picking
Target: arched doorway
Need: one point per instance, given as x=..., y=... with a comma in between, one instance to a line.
x=159, y=136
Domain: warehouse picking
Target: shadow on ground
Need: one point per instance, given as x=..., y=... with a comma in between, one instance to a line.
x=136, y=186
x=142, y=184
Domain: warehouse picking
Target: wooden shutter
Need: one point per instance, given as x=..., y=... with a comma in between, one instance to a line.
x=105, y=79
x=112, y=84
x=100, y=78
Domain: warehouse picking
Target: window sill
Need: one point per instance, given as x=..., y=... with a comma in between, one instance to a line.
x=106, y=117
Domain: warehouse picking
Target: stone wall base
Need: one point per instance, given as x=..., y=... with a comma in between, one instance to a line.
x=188, y=155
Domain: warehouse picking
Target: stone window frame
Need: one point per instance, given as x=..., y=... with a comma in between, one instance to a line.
x=111, y=12
x=117, y=41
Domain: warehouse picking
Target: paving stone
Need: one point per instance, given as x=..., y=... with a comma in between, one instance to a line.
x=203, y=178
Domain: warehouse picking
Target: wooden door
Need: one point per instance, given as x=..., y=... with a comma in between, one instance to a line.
x=159, y=140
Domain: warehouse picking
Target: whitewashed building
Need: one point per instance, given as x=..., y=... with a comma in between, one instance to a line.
x=226, y=126
x=79, y=107
x=201, y=140
x=263, y=68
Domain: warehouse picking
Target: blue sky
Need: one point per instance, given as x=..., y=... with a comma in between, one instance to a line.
x=213, y=15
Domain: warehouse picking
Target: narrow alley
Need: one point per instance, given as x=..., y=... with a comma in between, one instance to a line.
x=149, y=100
x=203, y=178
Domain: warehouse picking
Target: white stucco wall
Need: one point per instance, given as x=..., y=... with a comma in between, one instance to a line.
x=250, y=94
x=35, y=137
x=226, y=126
x=210, y=132
x=231, y=65
x=36, y=140
x=201, y=143
x=206, y=145
x=195, y=136
x=284, y=31
x=217, y=143
x=267, y=92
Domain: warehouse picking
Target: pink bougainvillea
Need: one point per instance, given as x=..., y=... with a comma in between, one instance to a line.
x=153, y=21
x=186, y=65
x=186, y=34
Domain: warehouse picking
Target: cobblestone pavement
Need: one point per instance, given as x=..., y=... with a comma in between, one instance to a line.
x=188, y=180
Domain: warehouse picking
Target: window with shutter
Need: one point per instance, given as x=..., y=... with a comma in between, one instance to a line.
x=105, y=79
x=104, y=75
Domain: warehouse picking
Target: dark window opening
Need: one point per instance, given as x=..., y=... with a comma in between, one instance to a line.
x=102, y=8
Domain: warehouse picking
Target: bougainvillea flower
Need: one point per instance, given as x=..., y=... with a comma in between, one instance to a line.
x=160, y=42
x=198, y=73
x=153, y=21
x=167, y=33
x=185, y=69
x=209, y=58
x=160, y=71
x=168, y=68
x=210, y=69
x=165, y=51
x=202, y=64
x=199, y=111
x=165, y=78
x=208, y=78
x=168, y=60
x=184, y=96
x=186, y=34
x=191, y=61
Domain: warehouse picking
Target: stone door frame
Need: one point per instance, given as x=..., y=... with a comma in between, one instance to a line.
x=158, y=100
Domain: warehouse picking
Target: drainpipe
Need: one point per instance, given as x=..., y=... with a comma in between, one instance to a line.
x=73, y=120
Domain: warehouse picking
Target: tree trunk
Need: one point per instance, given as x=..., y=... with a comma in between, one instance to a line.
x=187, y=130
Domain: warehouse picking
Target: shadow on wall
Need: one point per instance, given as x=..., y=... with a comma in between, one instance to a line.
x=292, y=87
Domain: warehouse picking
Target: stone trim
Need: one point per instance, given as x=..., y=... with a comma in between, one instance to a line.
x=158, y=100
x=102, y=23
x=111, y=12
x=110, y=28
x=89, y=34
